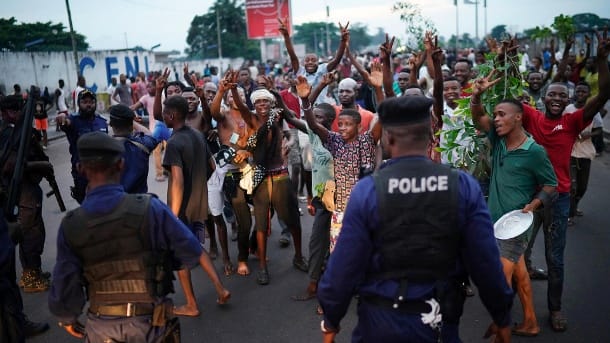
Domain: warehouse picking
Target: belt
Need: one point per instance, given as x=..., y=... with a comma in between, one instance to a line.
x=124, y=310
x=408, y=306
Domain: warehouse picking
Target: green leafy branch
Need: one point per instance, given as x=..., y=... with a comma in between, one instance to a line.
x=465, y=147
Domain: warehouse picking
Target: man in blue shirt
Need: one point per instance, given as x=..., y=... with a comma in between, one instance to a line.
x=412, y=233
x=138, y=145
x=76, y=125
x=104, y=259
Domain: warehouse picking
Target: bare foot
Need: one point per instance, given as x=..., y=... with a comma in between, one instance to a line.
x=228, y=268
x=223, y=297
x=186, y=310
x=242, y=269
x=526, y=330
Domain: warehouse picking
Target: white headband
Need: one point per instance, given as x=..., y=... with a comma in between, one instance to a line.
x=261, y=94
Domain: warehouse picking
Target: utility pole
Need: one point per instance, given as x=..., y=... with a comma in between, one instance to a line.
x=328, y=53
x=219, y=41
x=476, y=20
x=485, y=15
x=457, y=26
x=73, y=39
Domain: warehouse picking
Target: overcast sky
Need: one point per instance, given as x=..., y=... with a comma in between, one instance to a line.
x=117, y=24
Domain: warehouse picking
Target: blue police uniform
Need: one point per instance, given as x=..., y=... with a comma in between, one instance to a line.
x=78, y=127
x=67, y=296
x=135, y=176
x=357, y=256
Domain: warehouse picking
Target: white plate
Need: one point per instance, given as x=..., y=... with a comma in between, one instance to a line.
x=512, y=224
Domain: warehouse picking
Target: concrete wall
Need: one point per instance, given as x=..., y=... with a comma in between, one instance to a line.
x=44, y=69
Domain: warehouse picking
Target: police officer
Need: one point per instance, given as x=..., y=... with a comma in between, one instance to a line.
x=37, y=166
x=409, y=232
x=120, y=248
x=14, y=324
x=138, y=143
x=75, y=125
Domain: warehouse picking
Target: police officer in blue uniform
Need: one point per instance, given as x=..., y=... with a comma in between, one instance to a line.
x=75, y=125
x=138, y=143
x=410, y=232
x=118, y=251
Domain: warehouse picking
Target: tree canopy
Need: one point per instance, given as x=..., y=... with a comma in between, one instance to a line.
x=202, y=36
x=14, y=36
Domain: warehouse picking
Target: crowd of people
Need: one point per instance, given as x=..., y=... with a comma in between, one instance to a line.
x=357, y=139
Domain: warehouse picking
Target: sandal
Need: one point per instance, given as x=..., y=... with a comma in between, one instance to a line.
x=263, y=277
x=558, y=322
x=300, y=264
x=229, y=269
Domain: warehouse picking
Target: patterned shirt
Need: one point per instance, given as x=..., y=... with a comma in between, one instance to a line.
x=348, y=159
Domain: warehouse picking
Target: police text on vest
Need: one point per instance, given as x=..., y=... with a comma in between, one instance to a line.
x=406, y=185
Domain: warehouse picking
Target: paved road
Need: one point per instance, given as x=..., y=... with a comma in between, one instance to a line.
x=266, y=313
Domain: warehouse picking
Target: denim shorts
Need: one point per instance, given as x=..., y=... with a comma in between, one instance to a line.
x=513, y=248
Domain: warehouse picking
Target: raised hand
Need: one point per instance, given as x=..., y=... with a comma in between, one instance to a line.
x=587, y=40
x=225, y=82
x=197, y=86
x=416, y=60
x=283, y=28
x=344, y=32
x=482, y=84
x=376, y=76
x=603, y=45
x=185, y=68
x=161, y=81
x=327, y=79
x=385, y=49
x=492, y=43
x=303, y=88
x=430, y=41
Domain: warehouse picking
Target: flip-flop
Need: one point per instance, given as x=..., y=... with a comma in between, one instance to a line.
x=303, y=297
x=229, y=269
x=517, y=332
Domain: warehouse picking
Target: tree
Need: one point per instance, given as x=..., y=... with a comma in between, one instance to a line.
x=498, y=32
x=588, y=21
x=14, y=36
x=202, y=36
x=359, y=37
x=313, y=35
x=465, y=41
x=416, y=23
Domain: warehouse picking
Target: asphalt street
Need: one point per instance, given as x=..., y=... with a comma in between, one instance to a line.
x=267, y=314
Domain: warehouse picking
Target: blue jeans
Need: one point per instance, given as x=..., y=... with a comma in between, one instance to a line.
x=554, y=247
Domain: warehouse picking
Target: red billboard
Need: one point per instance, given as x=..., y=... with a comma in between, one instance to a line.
x=262, y=15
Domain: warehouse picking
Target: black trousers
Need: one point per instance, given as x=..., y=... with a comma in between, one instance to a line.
x=579, y=173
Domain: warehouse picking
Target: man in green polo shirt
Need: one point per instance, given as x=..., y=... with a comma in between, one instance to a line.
x=520, y=167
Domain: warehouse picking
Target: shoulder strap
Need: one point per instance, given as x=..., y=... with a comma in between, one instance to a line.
x=137, y=144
